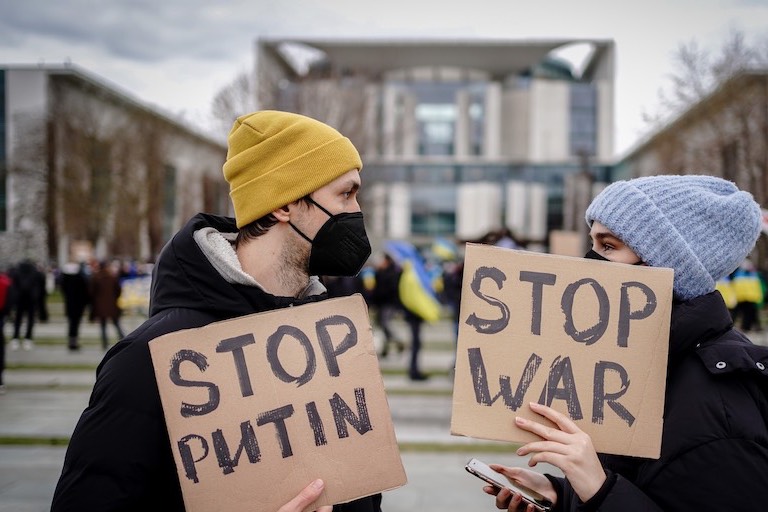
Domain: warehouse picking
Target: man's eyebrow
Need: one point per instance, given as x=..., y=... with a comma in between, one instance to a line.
x=354, y=185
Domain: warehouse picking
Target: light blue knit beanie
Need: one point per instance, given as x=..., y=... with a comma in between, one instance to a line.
x=701, y=226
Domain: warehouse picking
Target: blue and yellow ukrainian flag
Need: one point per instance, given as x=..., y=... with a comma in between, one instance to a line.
x=415, y=286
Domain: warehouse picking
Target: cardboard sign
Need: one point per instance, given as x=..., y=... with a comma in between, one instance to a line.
x=586, y=337
x=567, y=243
x=259, y=406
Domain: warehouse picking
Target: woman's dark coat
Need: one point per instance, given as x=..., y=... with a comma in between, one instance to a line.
x=714, y=452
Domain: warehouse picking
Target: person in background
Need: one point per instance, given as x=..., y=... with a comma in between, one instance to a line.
x=725, y=287
x=5, y=304
x=28, y=289
x=74, y=286
x=748, y=290
x=293, y=183
x=385, y=298
x=714, y=448
x=342, y=286
x=104, y=290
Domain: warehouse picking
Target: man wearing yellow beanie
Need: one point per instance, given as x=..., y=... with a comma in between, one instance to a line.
x=293, y=183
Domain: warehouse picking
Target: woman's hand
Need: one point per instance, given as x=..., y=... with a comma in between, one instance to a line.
x=567, y=447
x=305, y=498
x=531, y=479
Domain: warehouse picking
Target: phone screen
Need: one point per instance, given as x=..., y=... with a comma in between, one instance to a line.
x=484, y=472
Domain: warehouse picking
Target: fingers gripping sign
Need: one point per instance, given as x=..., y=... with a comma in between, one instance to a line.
x=565, y=446
x=305, y=498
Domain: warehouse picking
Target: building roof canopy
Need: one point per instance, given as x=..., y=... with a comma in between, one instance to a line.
x=498, y=57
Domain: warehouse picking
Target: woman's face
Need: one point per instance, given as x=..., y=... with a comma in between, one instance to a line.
x=610, y=247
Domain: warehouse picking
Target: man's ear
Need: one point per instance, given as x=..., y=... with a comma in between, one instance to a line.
x=282, y=214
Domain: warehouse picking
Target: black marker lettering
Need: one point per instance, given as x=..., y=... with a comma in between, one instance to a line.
x=592, y=334
x=625, y=311
x=326, y=343
x=316, y=424
x=539, y=279
x=273, y=344
x=342, y=414
x=480, y=381
x=601, y=397
x=201, y=362
x=187, y=459
x=235, y=345
x=247, y=442
x=482, y=325
x=561, y=371
x=278, y=417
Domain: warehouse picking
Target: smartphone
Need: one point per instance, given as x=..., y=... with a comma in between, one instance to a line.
x=484, y=472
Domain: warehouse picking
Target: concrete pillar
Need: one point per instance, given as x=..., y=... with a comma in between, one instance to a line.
x=399, y=211
x=389, y=131
x=492, y=129
x=478, y=209
x=517, y=209
x=537, y=212
x=461, y=134
x=371, y=121
x=410, y=131
x=376, y=209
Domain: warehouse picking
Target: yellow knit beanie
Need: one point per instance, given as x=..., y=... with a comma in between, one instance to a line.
x=275, y=158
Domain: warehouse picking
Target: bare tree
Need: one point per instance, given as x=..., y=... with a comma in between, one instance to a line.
x=722, y=103
x=28, y=175
x=85, y=137
x=233, y=100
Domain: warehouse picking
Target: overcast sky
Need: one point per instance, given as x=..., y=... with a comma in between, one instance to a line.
x=175, y=54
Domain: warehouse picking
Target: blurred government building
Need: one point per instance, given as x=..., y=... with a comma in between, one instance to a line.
x=458, y=137
x=87, y=171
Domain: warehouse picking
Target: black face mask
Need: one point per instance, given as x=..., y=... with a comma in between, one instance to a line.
x=340, y=247
x=592, y=255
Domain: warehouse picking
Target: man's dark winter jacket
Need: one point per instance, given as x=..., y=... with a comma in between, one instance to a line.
x=119, y=457
x=714, y=452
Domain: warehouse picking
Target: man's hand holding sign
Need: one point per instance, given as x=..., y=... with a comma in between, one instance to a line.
x=259, y=406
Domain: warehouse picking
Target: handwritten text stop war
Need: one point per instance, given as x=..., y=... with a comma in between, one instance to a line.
x=560, y=383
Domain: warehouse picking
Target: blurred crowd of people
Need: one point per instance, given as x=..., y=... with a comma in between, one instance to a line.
x=416, y=285
x=744, y=292
x=97, y=288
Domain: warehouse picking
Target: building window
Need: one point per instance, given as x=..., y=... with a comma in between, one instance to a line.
x=437, y=112
x=437, y=123
x=583, y=130
x=433, y=210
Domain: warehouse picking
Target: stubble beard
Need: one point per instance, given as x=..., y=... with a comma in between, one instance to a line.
x=294, y=271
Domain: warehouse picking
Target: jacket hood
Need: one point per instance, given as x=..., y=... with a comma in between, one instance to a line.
x=184, y=278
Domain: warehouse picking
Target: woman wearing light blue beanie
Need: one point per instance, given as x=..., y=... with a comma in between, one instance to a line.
x=714, y=453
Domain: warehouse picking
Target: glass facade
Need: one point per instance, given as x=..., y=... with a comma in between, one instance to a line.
x=433, y=210
x=433, y=188
x=437, y=111
x=583, y=130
